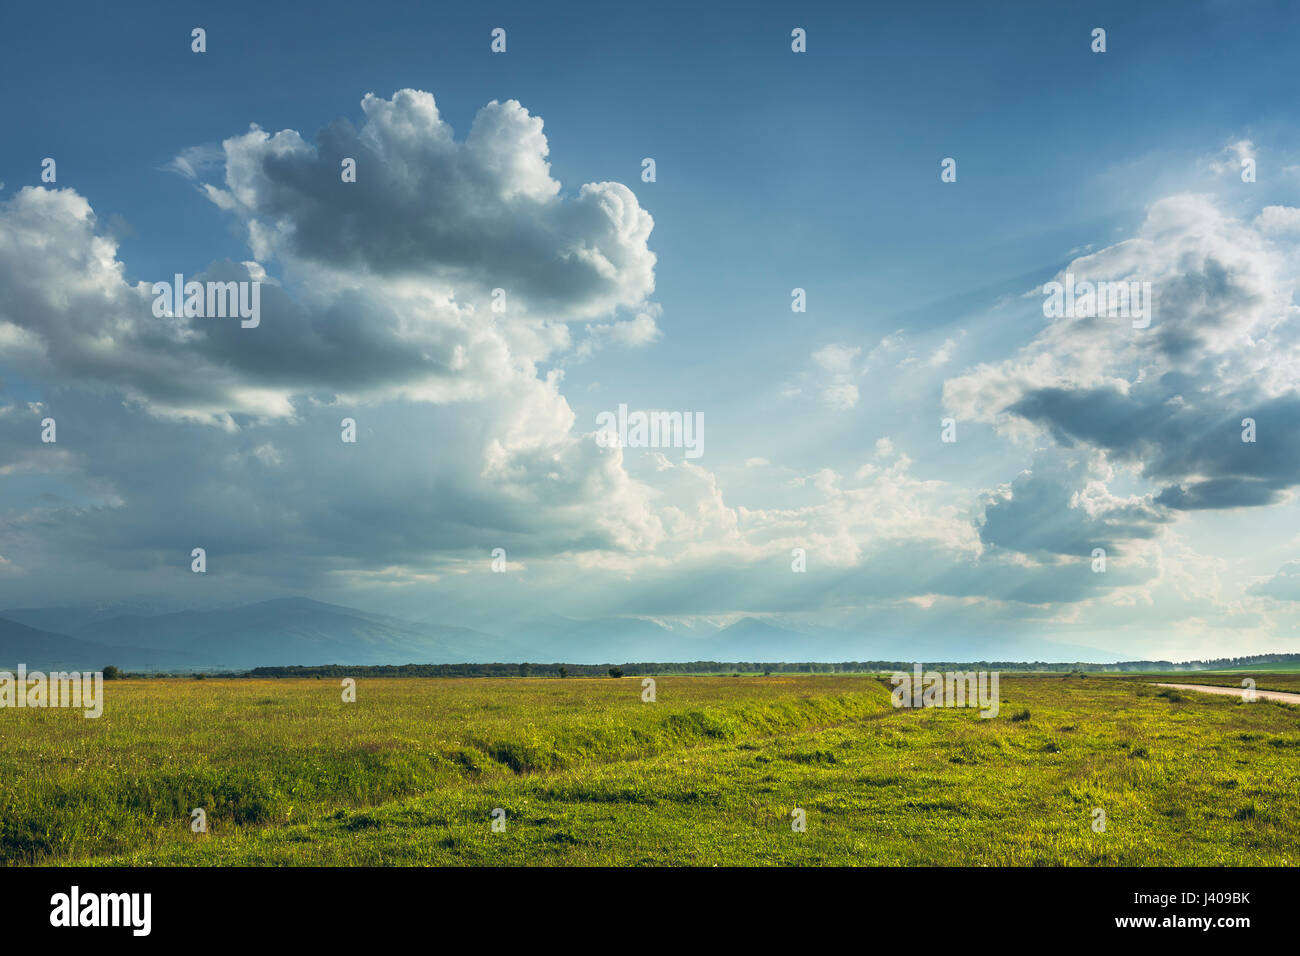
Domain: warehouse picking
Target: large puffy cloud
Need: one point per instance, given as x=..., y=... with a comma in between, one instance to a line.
x=461, y=217
x=68, y=315
x=390, y=278
x=383, y=314
x=69, y=319
x=1168, y=401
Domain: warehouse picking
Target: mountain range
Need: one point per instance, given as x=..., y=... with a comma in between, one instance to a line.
x=288, y=631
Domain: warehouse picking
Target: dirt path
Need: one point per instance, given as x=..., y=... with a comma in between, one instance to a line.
x=1283, y=696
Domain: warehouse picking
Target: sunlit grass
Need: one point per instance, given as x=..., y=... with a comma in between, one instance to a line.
x=708, y=774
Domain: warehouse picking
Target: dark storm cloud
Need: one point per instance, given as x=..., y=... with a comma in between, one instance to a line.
x=1179, y=433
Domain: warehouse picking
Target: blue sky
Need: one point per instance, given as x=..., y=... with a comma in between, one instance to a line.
x=775, y=170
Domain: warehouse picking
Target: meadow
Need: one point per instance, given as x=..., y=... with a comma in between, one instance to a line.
x=587, y=773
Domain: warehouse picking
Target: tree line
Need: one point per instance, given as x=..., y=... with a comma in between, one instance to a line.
x=644, y=669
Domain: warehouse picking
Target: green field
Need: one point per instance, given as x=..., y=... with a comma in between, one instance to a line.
x=587, y=773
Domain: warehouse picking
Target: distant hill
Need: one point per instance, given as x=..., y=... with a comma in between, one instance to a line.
x=43, y=650
x=67, y=620
x=553, y=637
x=270, y=633
x=297, y=631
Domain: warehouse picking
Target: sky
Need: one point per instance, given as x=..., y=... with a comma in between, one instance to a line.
x=824, y=497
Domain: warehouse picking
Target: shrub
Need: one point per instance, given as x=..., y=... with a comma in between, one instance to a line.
x=616, y=672
x=112, y=673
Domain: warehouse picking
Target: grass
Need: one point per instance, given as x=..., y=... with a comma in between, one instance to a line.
x=708, y=774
